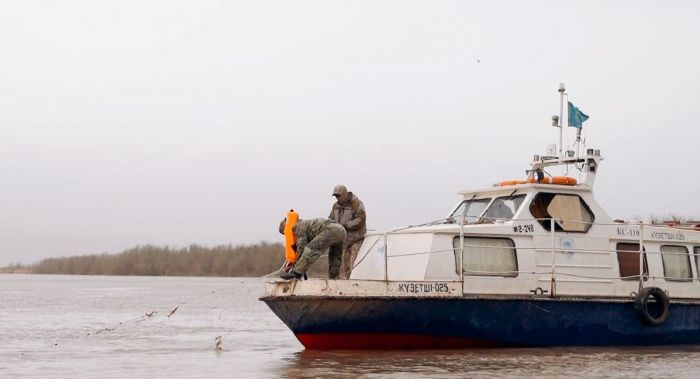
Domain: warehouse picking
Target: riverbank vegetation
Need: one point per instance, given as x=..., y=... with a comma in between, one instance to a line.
x=194, y=260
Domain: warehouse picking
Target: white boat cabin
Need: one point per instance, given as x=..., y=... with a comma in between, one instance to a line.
x=534, y=237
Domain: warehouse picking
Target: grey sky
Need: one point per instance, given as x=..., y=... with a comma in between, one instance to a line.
x=177, y=122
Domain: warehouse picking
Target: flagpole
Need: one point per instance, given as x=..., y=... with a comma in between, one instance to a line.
x=561, y=118
x=578, y=138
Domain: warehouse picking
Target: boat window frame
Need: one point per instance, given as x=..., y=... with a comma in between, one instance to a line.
x=690, y=267
x=484, y=219
x=454, y=216
x=456, y=249
x=696, y=254
x=545, y=221
x=645, y=272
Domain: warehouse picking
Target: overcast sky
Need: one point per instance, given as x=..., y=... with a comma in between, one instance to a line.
x=178, y=122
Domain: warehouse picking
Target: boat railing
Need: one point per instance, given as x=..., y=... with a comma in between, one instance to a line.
x=555, y=270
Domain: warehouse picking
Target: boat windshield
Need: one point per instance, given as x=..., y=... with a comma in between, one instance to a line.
x=503, y=208
x=474, y=209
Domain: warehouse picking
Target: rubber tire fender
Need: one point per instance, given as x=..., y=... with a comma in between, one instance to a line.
x=641, y=302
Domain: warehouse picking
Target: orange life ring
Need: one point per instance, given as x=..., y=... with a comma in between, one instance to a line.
x=564, y=180
x=289, y=239
x=560, y=180
x=545, y=180
x=510, y=183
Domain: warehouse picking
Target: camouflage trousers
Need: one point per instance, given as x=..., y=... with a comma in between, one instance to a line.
x=331, y=238
x=349, y=256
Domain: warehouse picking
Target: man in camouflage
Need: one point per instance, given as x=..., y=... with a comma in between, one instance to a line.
x=313, y=237
x=349, y=212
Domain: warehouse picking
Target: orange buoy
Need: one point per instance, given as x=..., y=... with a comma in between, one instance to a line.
x=289, y=239
x=545, y=180
x=510, y=183
x=560, y=180
x=564, y=180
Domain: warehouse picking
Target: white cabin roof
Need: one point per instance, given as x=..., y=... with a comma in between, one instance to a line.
x=524, y=188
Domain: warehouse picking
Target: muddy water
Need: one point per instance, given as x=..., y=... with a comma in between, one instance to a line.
x=67, y=326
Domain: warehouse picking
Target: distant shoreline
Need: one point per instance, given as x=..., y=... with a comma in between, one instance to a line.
x=197, y=261
x=11, y=270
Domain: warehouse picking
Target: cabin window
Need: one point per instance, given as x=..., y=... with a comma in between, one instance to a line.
x=628, y=258
x=474, y=209
x=570, y=212
x=696, y=252
x=503, y=208
x=676, y=262
x=488, y=256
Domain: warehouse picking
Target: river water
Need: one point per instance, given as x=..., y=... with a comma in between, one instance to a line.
x=96, y=326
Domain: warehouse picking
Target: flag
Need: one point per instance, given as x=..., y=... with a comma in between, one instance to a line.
x=576, y=117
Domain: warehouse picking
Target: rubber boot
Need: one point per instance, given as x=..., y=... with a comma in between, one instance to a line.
x=291, y=275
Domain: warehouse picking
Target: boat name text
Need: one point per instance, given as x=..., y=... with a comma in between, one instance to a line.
x=668, y=236
x=423, y=287
x=627, y=232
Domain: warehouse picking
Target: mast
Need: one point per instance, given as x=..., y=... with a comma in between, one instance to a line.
x=589, y=162
x=562, y=90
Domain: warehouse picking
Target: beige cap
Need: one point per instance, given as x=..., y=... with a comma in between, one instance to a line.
x=339, y=190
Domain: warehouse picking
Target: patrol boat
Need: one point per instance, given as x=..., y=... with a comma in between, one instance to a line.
x=532, y=262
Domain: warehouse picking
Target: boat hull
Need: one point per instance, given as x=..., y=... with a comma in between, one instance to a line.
x=343, y=322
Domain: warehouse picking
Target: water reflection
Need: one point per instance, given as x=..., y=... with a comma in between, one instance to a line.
x=548, y=362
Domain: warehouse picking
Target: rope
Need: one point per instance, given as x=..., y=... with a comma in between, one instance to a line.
x=274, y=273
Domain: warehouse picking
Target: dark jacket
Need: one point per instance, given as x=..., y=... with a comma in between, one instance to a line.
x=350, y=212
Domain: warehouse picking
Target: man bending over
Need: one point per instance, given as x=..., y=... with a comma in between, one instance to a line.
x=313, y=237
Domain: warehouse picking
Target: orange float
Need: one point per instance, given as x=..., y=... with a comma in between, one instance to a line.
x=289, y=239
x=510, y=183
x=560, y=180
x=544, y=180
x=564, y=180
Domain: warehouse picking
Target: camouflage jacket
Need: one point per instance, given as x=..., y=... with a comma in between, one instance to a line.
x=307, y=230
x=351, y=215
